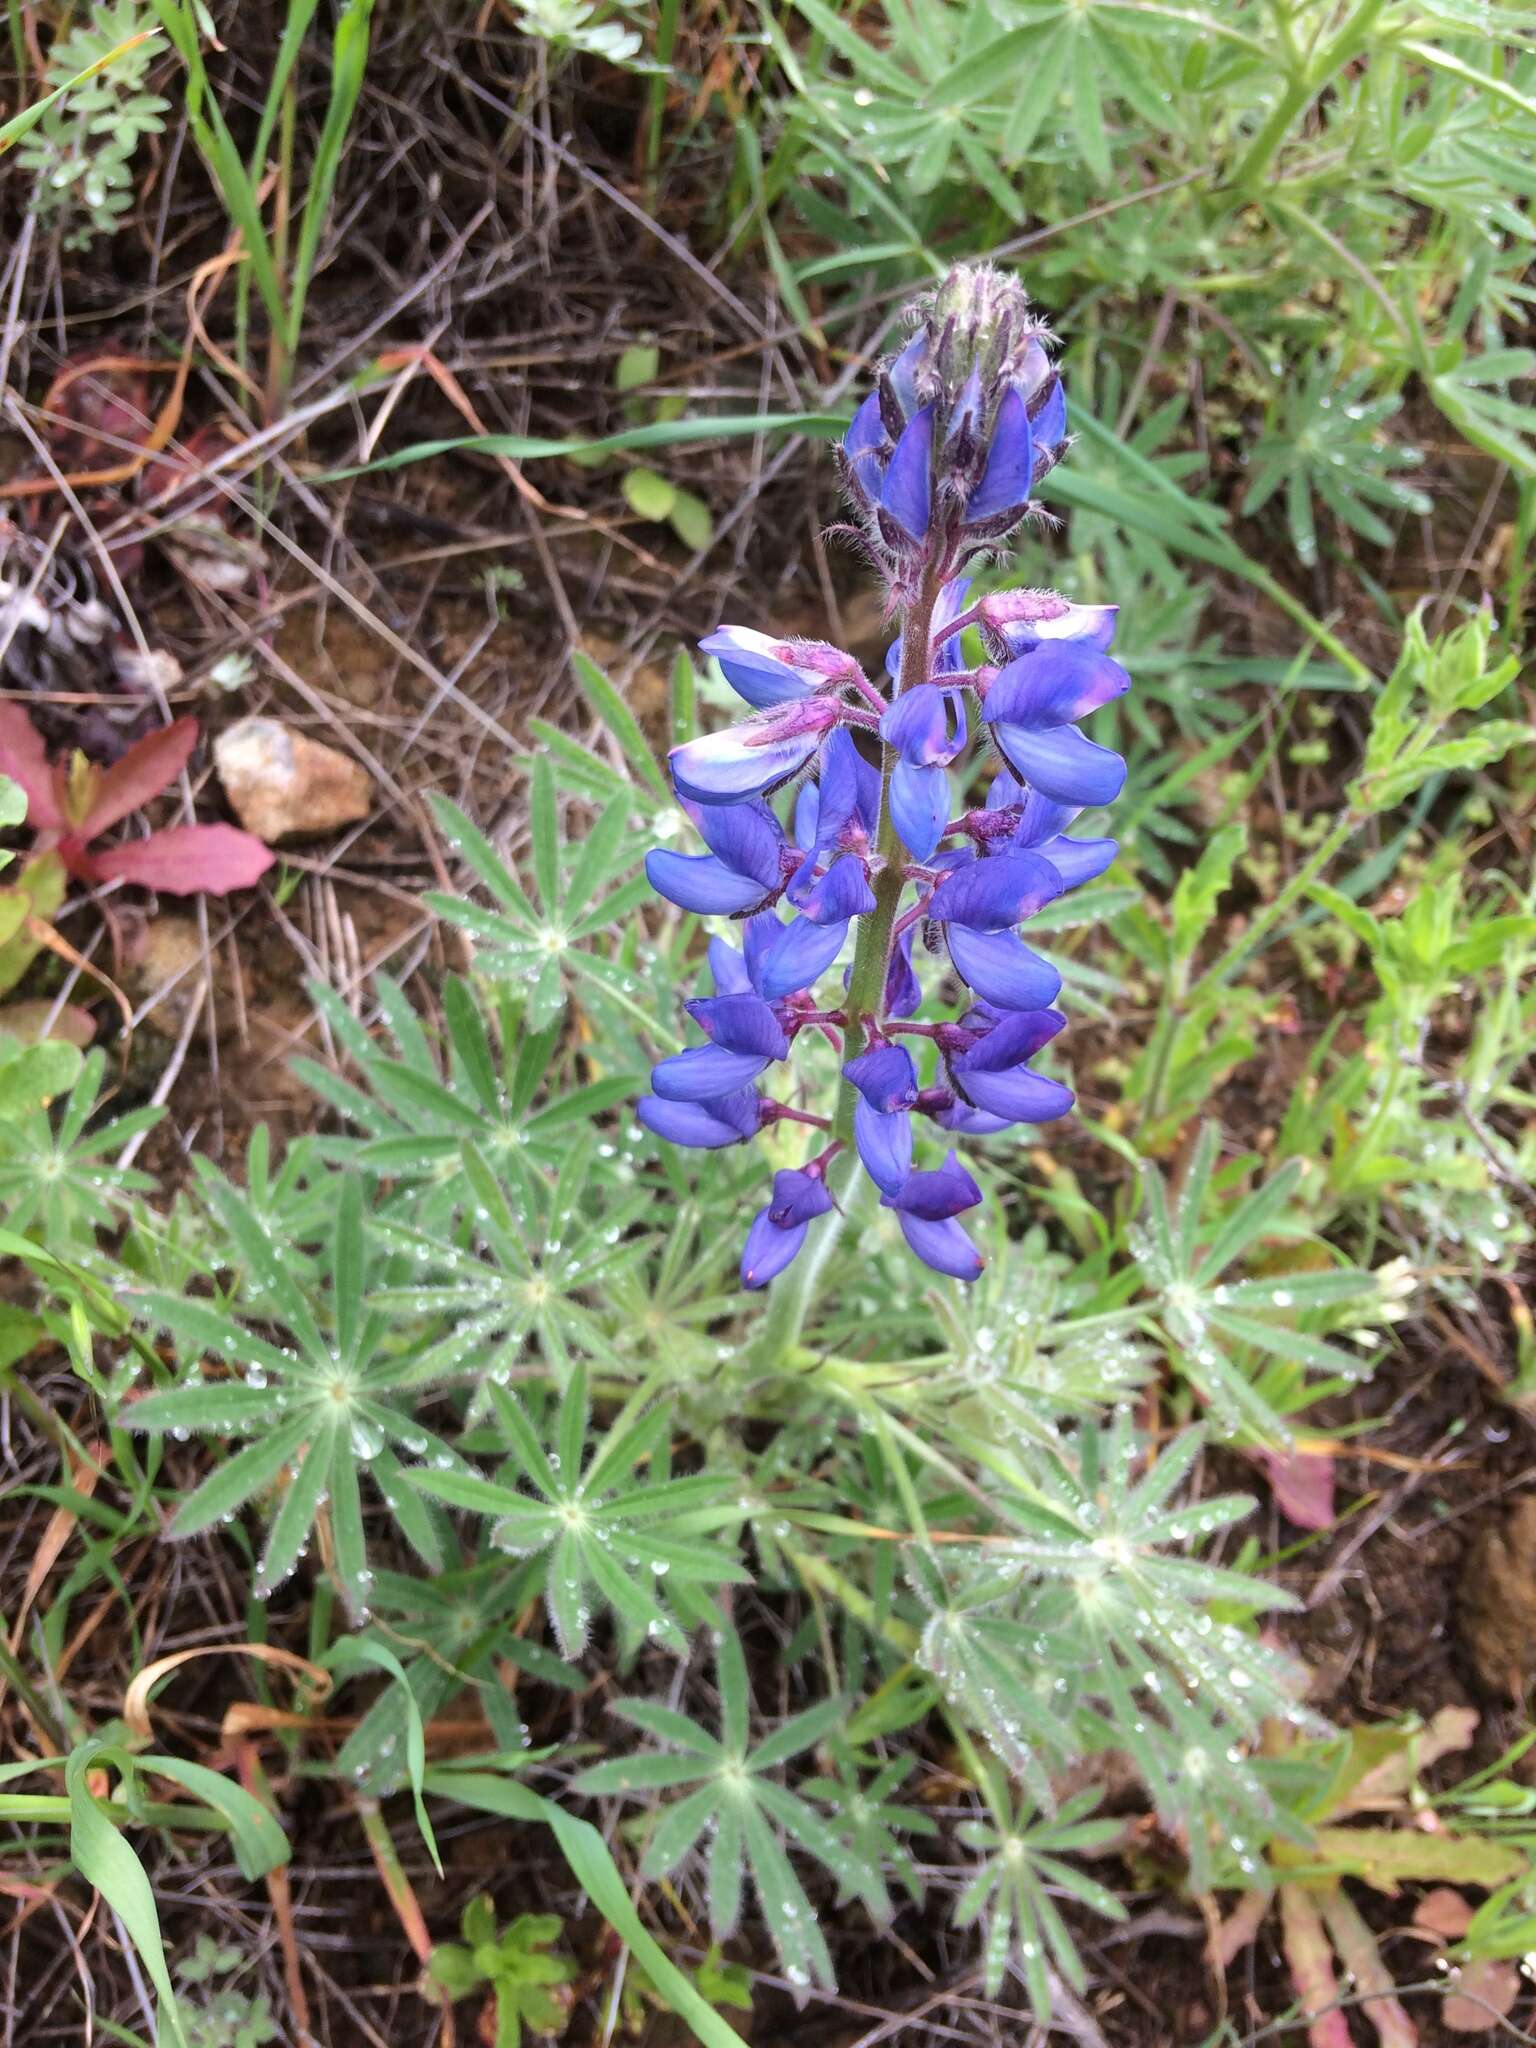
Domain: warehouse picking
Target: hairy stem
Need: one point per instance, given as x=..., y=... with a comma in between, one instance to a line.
x=872, y=953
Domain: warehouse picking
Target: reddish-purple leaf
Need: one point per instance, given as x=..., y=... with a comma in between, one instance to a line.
x=25, y=759
x=1485, y=1991
x=1231, y=1936
x=147, y=768
x=1302, y=1483
x=189, y=859
x=26, y=1021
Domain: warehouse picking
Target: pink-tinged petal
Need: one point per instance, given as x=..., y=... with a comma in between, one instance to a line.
x=1302, y=1484
x=24, y=758
x=188, y=860
x=751, y=663
x=744, y=761
x=144, y=771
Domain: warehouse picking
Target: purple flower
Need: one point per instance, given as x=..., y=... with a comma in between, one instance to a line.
x=745, y=761
x=886, y=1081
x=926, y=1207
x=744, y=869
x=767, y=671
x=1032, y=706
x=778, y=1231
x=994, y=1075
x=994, y=895
x=745, y=1036
x=926, y=727
x=705, y=1126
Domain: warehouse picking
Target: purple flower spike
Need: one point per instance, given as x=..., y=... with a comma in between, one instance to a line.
x=941, y=463
x=906, y=495
x=1010, y=471
x=703, y=1126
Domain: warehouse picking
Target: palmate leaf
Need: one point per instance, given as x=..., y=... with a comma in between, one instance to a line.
x=1211, y=1324
x=741, y=1811
x=607, y=1529
x=529, y=1287
x=319, y=1409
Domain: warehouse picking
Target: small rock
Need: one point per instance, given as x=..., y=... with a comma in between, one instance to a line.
x=283, y=785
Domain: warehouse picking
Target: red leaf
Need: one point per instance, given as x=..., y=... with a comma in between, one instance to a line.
x=143, y=772
x=1485, y=1991
x=25, y=759
x=1302, y=1483
x=188, y=859
x=1309, y=1959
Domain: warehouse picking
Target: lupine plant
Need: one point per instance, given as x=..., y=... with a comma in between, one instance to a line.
x=940, y=466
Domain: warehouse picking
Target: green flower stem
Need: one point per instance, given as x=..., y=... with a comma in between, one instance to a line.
x=872, y=953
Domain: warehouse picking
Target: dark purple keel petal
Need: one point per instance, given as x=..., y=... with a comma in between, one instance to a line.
x=968, y=1122
x=1010, y=470
x=994, y=895
x=1062, y=765
x=907, y=493
x=700, y=882
x=1013, y=1036
x=798, y=1197
x=768, y=1249
x=942, y=1245
x=919, y=807
x=1002, y=970
x=705, y=1072
x=944, y=1191
x=884, y=1144
x=702, y=1126
x=799, y=957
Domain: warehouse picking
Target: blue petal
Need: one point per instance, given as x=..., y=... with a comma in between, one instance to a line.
x=903, y=990
x=798, y=1197
x=1039, y=818
x=884, y=1145
x=920, y=725
x=842, y=892
x=862, y=444
x=699, y=1125
x=1006, y=480
x=768, y=1250
x=762, y=677
x=903, y=372
x=808, y=804
x=1056, y=683
x=1062, y=765
x=747, y=837
x=907, y=493
x=1002, y=970
x=1050, y=422
x=885, y=1077
x=1091, y=624
x=944, y=1246
x=969, y=1122
x=919, y=807
x=994, y=895
x=1079, y=860
x=943, y=1192
x=728, y=768
x=841, y=791
x=740, y=1024
x=799, y=957
x=759, y=936
x=1017, y=1036
x=1020, y=1096
x=705, y=1072
x=697, y=881
x=728, y=969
